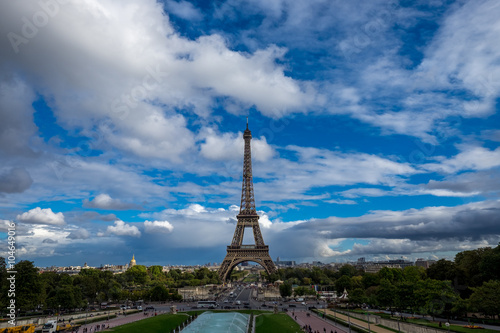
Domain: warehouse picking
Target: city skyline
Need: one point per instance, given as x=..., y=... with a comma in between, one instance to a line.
x=375, y=128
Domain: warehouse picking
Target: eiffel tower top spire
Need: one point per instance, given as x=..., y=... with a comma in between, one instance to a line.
x=247, y=207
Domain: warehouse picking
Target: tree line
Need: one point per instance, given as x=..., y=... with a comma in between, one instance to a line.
x=447, y=288
x=470, y=283
x=50, y=292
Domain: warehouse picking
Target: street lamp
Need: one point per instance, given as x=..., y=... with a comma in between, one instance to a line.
x=87, y=314
x=349, y=320
x=368, y=313
x=448, y=325
x=397, y=315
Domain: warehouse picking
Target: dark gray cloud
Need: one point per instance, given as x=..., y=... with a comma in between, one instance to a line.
x=484, y=182
x=15, y=180
x=79, y=234
x=470, y=221
x=49, y=241
x=16, y=118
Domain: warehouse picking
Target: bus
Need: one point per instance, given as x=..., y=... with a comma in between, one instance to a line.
x=207, y=304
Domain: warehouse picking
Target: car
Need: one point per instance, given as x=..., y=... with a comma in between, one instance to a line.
x=292, y=305
x=139, y=307
x=149, y=308
x=123, y=307
x=237, y=302
x=303, y=303
x=226, y=301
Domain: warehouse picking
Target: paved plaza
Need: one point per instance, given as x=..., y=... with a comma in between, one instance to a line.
x=316, y=323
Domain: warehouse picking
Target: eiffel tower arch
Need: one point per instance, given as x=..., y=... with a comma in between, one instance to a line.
x=248, y=218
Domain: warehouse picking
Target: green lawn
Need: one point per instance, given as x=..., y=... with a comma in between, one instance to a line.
x=272, y=323
x=453, y=328
x=162, y=323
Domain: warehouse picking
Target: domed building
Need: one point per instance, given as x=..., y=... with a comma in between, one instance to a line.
x=132, y=262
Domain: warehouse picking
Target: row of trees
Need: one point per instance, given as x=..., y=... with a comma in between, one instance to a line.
x=53, y=291
x=470, y=282
x=447, y=288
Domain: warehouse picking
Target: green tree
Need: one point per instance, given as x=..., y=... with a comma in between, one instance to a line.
x=65, y=297
x=4, y=286
x=301, y=291
x=469, y=262
x=393, y=275
x=370, y=280
x=139, y=274
x=286, y=289
x=115, y=291
x=159, y=293
x=89, y=282
x=343, y=283
x=490, y=265
x=435, y=298
x=405, y=296
x=28, y=285
x=414, y=274
x=348, y=270
x=386, y=293
x=357, y=296
x=443, y=270
x=486, y=298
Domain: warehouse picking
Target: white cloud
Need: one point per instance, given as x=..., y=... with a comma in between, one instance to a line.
x=104, y=201
x=466, y=54
x=121, y=228
x=230, y=146
x=5, y=225
x=470, y=158
x=138, y=93
x=158, y=226
x=183, y=9
x=41, y=216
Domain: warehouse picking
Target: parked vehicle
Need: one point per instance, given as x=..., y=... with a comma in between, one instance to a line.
x=207, y=304
x=20, y=329
x=49, y=327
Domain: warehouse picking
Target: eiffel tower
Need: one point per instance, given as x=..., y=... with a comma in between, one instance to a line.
x=247, y=218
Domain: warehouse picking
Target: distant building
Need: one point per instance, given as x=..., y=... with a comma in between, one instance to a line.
x=284, y=263
x=424, y=263
x=132, y=262
x=375, y=266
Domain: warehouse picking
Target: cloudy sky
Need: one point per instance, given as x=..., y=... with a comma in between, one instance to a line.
x=375, y=125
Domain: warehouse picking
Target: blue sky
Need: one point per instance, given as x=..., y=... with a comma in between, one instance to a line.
x=375, y=128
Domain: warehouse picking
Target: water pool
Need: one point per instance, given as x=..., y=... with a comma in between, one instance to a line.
x=221, y=322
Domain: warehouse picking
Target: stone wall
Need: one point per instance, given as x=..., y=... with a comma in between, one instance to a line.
x=393, y=324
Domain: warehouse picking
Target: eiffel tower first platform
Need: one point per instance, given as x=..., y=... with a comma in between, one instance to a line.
x=247, y=218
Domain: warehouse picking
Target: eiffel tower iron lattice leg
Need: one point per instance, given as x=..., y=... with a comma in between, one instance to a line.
x=247, y=218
